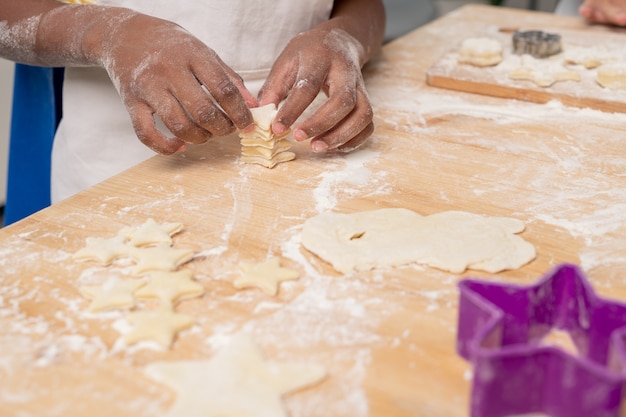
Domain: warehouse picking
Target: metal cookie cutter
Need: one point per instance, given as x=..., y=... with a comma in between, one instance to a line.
x=500, y=329
x=536, y=43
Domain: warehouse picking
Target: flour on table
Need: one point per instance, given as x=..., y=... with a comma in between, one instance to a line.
x=481, y=52
x=452, y=240
x=261, y=145
x=265, y=275
x=237, y=381
x=612, y=76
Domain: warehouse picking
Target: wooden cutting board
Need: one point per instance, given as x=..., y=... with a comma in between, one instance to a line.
x=495, y=80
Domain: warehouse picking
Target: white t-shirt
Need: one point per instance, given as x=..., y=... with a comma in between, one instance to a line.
x=95, y=138
x=568, y=7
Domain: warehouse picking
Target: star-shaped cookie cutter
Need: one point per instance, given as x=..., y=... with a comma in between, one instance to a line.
x=500, y=329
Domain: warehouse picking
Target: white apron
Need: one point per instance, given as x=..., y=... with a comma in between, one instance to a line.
x=95, y=138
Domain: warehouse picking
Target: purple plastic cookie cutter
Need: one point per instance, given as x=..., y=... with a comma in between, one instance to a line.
x=500, y=329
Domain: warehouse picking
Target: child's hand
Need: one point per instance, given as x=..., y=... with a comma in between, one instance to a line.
x=611, y=12
x=159, y=68
x=322, y=59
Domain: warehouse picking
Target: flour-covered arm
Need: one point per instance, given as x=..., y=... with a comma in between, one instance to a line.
x=157, y=66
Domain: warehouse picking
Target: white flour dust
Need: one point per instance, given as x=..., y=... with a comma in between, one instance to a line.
x=347, y=176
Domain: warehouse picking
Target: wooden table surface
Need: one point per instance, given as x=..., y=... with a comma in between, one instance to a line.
x=387, y=337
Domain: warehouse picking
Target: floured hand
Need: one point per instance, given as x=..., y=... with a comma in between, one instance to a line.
x=611, y=12
x=324, y=59
x=161, y=69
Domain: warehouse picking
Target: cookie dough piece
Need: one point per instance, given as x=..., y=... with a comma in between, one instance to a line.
x=170, y=287
x=265, y=275
x=160, y=257
x=590, y=57
x=268, y=163
x=114, y=293
x=612, y=76
x=237, y=381
x=544, y=73
x=160, y=325
x=481, y=52
x=151, y=233
x=543, y=79
x=452, y=240
x=103, y=250
x=261, y=145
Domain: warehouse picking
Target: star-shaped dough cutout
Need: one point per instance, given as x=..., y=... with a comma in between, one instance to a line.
x=160, y=325
x=151, y=233
x=114, y=293
x=170, y=287
x=237, y=381
x=160, y=257
x=265, y=275
x=103, y=250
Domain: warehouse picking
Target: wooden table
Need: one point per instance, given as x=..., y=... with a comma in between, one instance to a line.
x=387, y=336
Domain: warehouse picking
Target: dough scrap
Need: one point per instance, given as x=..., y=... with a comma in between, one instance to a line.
x=481, y=52
x=170, y=287
x=265, y=275
x=588, y=57
x=151, y=233
x=236, y=382
x=160, y=325
x=114, y=293
x=452, y=240
x=261, y=145
x=543, y=79
x=103, y=250
x=612, y=76
x=543, y=72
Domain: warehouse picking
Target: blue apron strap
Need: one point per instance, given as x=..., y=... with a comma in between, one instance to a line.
x=35, y=116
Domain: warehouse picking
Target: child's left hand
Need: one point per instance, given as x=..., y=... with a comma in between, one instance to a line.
x=324, y=59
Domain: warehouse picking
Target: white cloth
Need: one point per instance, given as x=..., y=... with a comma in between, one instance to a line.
x=568, y=7
x=95, y=139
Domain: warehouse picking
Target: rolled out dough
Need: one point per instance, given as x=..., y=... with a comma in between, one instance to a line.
x=452, y=240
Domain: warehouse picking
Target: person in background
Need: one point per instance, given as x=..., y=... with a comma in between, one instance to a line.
x=611, y=12
x=177, y=73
